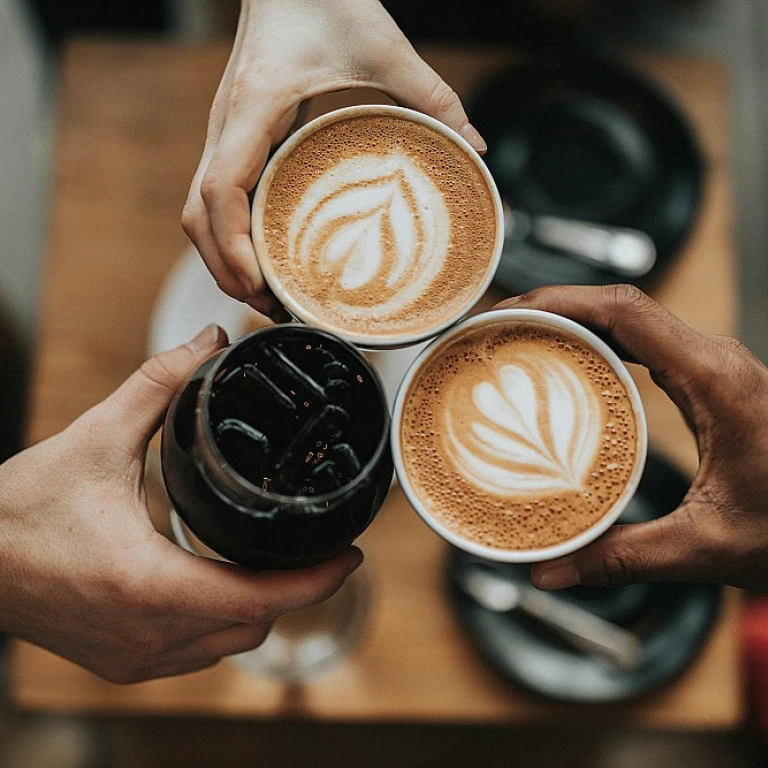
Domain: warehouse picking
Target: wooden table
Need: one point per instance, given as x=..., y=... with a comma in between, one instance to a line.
x=131, y=126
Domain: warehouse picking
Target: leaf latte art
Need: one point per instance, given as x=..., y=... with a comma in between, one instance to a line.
x=530, y=425
x=371, y=234
x=516, y=435
x=376, y=227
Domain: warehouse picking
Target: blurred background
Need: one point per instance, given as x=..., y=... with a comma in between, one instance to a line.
x=33, y=36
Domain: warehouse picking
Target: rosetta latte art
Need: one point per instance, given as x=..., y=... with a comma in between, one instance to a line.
x=371, y=234
x=532, y=426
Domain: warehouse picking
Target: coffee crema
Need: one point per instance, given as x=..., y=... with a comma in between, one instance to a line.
x=518, y=437
x=379, y=226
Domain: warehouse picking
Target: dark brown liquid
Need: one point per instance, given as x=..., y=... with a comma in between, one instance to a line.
x=267, y=427
x=295, y=418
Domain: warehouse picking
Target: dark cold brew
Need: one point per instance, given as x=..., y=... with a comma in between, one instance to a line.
x=275, y=453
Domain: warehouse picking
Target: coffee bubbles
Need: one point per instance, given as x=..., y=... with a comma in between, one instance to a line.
x=516, y=434
x=378, y=224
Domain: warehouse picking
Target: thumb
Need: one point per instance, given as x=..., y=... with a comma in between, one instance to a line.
x=660, y=550
x=234, y=170
x=410, y=81
x=140, y=403
x=222, y=591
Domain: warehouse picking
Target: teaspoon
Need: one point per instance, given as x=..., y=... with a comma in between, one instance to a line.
x=625, y=252
x=583, y=629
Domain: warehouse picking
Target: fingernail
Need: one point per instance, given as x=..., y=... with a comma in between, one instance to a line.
x=470, y=134
x=557, y=576
x=207, y=339
x=354, y=563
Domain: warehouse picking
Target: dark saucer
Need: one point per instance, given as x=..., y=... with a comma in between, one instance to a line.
x=584, y=138
x=673, y=620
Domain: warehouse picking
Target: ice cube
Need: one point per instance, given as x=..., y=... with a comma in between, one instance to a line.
x=246, y=448
x=346, y=458
x=269, y=388
x=338, y=390
x=308, y=447
x=298, y=382
x=336, y=370
x=332, y=367
x=326, y=477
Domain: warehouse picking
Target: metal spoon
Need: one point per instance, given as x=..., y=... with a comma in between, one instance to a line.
x=583, y=629
x=625, y=252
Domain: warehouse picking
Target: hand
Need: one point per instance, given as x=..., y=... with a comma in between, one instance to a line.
x=84, y=574
x=285, y=52
x=720, y=531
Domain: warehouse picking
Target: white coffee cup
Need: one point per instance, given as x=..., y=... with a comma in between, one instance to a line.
x=512, y=317
x=316, y=318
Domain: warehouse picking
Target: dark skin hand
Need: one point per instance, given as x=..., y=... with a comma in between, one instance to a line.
x=720, y=531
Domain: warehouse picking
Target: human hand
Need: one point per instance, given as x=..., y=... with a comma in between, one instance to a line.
x=84, y=574
x=285, y=52
x=720, y=531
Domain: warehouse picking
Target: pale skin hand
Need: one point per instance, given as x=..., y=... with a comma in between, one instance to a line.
x=287, y=51
x=84, y=574
x=720, y=531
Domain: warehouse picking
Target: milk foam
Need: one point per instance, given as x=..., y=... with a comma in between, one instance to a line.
x=378, y=226
x=372, y=223
x=518, y=437
x=530, y=426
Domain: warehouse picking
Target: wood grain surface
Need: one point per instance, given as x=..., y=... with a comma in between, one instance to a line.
x=131, y=127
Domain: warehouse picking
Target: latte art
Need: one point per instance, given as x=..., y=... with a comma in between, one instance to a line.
x=377, y=224
x=517, y=437
x=532, y=427
x=371, y=233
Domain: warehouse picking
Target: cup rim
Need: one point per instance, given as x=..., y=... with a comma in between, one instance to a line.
x=382, y=341
x=550, y=320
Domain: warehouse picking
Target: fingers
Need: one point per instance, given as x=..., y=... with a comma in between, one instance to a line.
x=672, y=351
x=189, y=655
x=229, y=215
x=227, y=642
x=172, y=631
x=668, y=549
x=137, y=407
x=247, y=284
x=196, y=223
x=226, y=592
x=165, y=670
x=218, y=214
x=410, y=81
